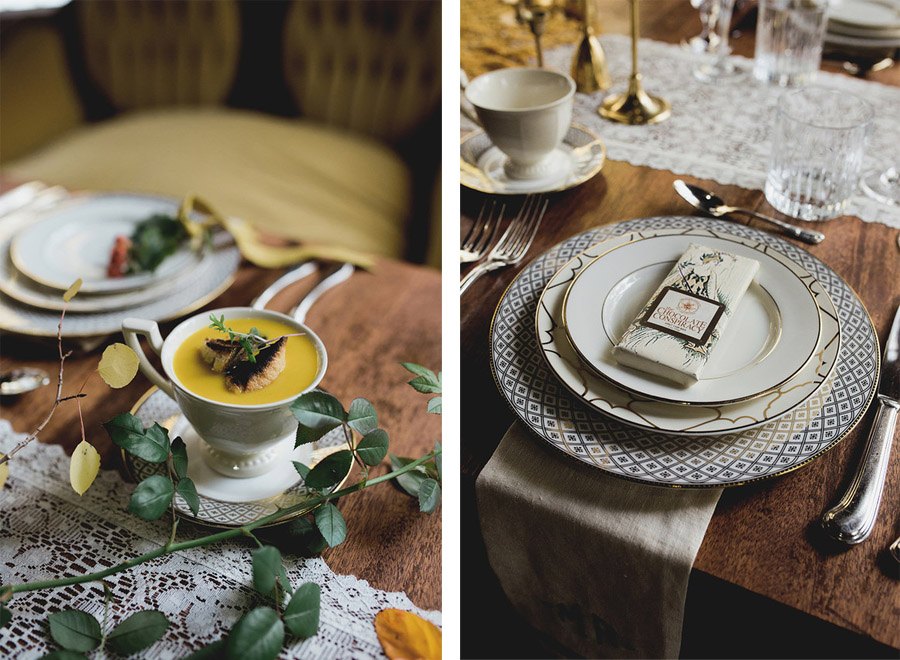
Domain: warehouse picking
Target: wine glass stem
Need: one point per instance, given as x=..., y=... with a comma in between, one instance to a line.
x=634, y=37
x=723, y=27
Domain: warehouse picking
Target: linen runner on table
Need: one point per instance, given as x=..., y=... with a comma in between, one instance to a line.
x=720, y=132
x=598, y=563
x=48, y=531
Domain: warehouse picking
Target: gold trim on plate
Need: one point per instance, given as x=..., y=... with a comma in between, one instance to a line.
x=688, y=232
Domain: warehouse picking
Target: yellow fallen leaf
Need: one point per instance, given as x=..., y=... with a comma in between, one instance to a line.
x=407, y=636
x=118, y=365
x=84, y=467
x=72, y=290
x=4, y=472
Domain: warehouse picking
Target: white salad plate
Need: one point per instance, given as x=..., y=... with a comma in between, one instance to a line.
x=675, y=418
x=226, y=501
x=580, y=157
x=774, y=331
x=75, y=239
x=871, y=14
x=184, y=293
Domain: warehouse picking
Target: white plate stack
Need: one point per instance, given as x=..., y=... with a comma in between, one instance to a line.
x=864, y=24
x=45, y=247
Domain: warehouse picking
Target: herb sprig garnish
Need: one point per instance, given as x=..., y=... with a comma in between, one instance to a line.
x=251, y=342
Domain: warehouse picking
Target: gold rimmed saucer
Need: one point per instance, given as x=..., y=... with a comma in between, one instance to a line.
x=289, y=489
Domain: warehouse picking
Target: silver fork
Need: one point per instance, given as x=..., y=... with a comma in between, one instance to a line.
x=514, y=243
x=481, y=235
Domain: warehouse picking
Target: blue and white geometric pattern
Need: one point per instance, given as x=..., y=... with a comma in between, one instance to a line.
x=551, y=411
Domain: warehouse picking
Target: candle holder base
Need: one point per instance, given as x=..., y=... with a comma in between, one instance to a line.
x=635, y=107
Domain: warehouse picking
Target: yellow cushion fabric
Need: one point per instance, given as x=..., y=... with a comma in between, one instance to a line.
x=372, y=66
x=289, y=177
x=37, y=99
x=147, y=53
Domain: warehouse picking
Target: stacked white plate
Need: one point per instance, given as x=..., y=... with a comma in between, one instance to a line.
x=43, y=251
x=791, y=376
x=864, y=23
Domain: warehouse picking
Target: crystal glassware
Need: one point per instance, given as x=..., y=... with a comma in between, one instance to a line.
x=883, y=185
x=818, y=142
x=789, y=37
x=717, y=67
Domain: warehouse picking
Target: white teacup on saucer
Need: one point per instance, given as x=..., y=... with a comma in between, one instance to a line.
x=526, y=112
x=240, y=440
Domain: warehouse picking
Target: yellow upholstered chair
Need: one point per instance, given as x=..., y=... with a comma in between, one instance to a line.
x=168, y=68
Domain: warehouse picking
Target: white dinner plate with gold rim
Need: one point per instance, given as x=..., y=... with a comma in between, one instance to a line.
x=75, y=239
x=870, y=14
x=772, y=335
x=579, y=158
x=807, y=388
x=226, y=501
x=195, y=288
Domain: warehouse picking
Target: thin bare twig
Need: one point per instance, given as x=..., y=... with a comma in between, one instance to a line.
x=59, y=397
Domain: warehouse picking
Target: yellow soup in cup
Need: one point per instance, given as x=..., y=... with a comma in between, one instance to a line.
x=196, y=375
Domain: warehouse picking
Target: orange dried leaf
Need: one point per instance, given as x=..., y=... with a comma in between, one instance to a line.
x=407, y=636
x=4, y=472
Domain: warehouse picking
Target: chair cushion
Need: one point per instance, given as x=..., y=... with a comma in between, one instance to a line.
x=291, y=177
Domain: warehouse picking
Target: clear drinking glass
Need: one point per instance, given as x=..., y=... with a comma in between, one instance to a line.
x=789, y=36
x=817, y=150
x=883, y=185
x=717, y=67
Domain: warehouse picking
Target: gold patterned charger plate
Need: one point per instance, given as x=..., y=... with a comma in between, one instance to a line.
x=774, y=331
x=224, y=501
x=672, y=417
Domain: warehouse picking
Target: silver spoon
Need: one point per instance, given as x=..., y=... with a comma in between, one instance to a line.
x=19, y=381
x=716, y=207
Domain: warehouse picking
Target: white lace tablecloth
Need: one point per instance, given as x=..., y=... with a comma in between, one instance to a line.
x=720, y=132
x=48, y=531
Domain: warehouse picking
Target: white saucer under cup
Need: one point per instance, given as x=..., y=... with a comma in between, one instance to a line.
x=526, y=112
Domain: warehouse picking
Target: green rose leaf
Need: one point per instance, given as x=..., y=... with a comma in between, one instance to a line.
x=299, y=536
x=425, y=385
x=152, y=497
x=331, y=523
x=302, y=469
x=434, y=405
x=330, y=471
x=188, y=491
x=74, y=630
x=408, y=481
x=318, y=413
x=5, y=616
x=373, y=447
x=137, y=632
x=437, y=459
x=429, y=495
x=267, y=568
x=127, y=432
x=212, y=651
x=419, y=370
x=258, y=635
x=302, y=613
x=179, y=458
x=362, y=417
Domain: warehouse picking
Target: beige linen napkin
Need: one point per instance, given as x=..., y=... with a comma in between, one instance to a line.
x=598, y=563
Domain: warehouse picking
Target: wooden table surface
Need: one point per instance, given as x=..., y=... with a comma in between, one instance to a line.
x=369, y=325
x=763, y=537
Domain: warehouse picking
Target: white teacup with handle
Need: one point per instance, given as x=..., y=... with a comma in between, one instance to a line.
x=240, y=440
x=526, y=113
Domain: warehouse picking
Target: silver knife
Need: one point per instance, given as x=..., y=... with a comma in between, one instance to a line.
x=851, y=520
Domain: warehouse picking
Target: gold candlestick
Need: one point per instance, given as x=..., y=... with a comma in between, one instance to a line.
x=535, y=13
x=589, y=70
x=634, y=106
